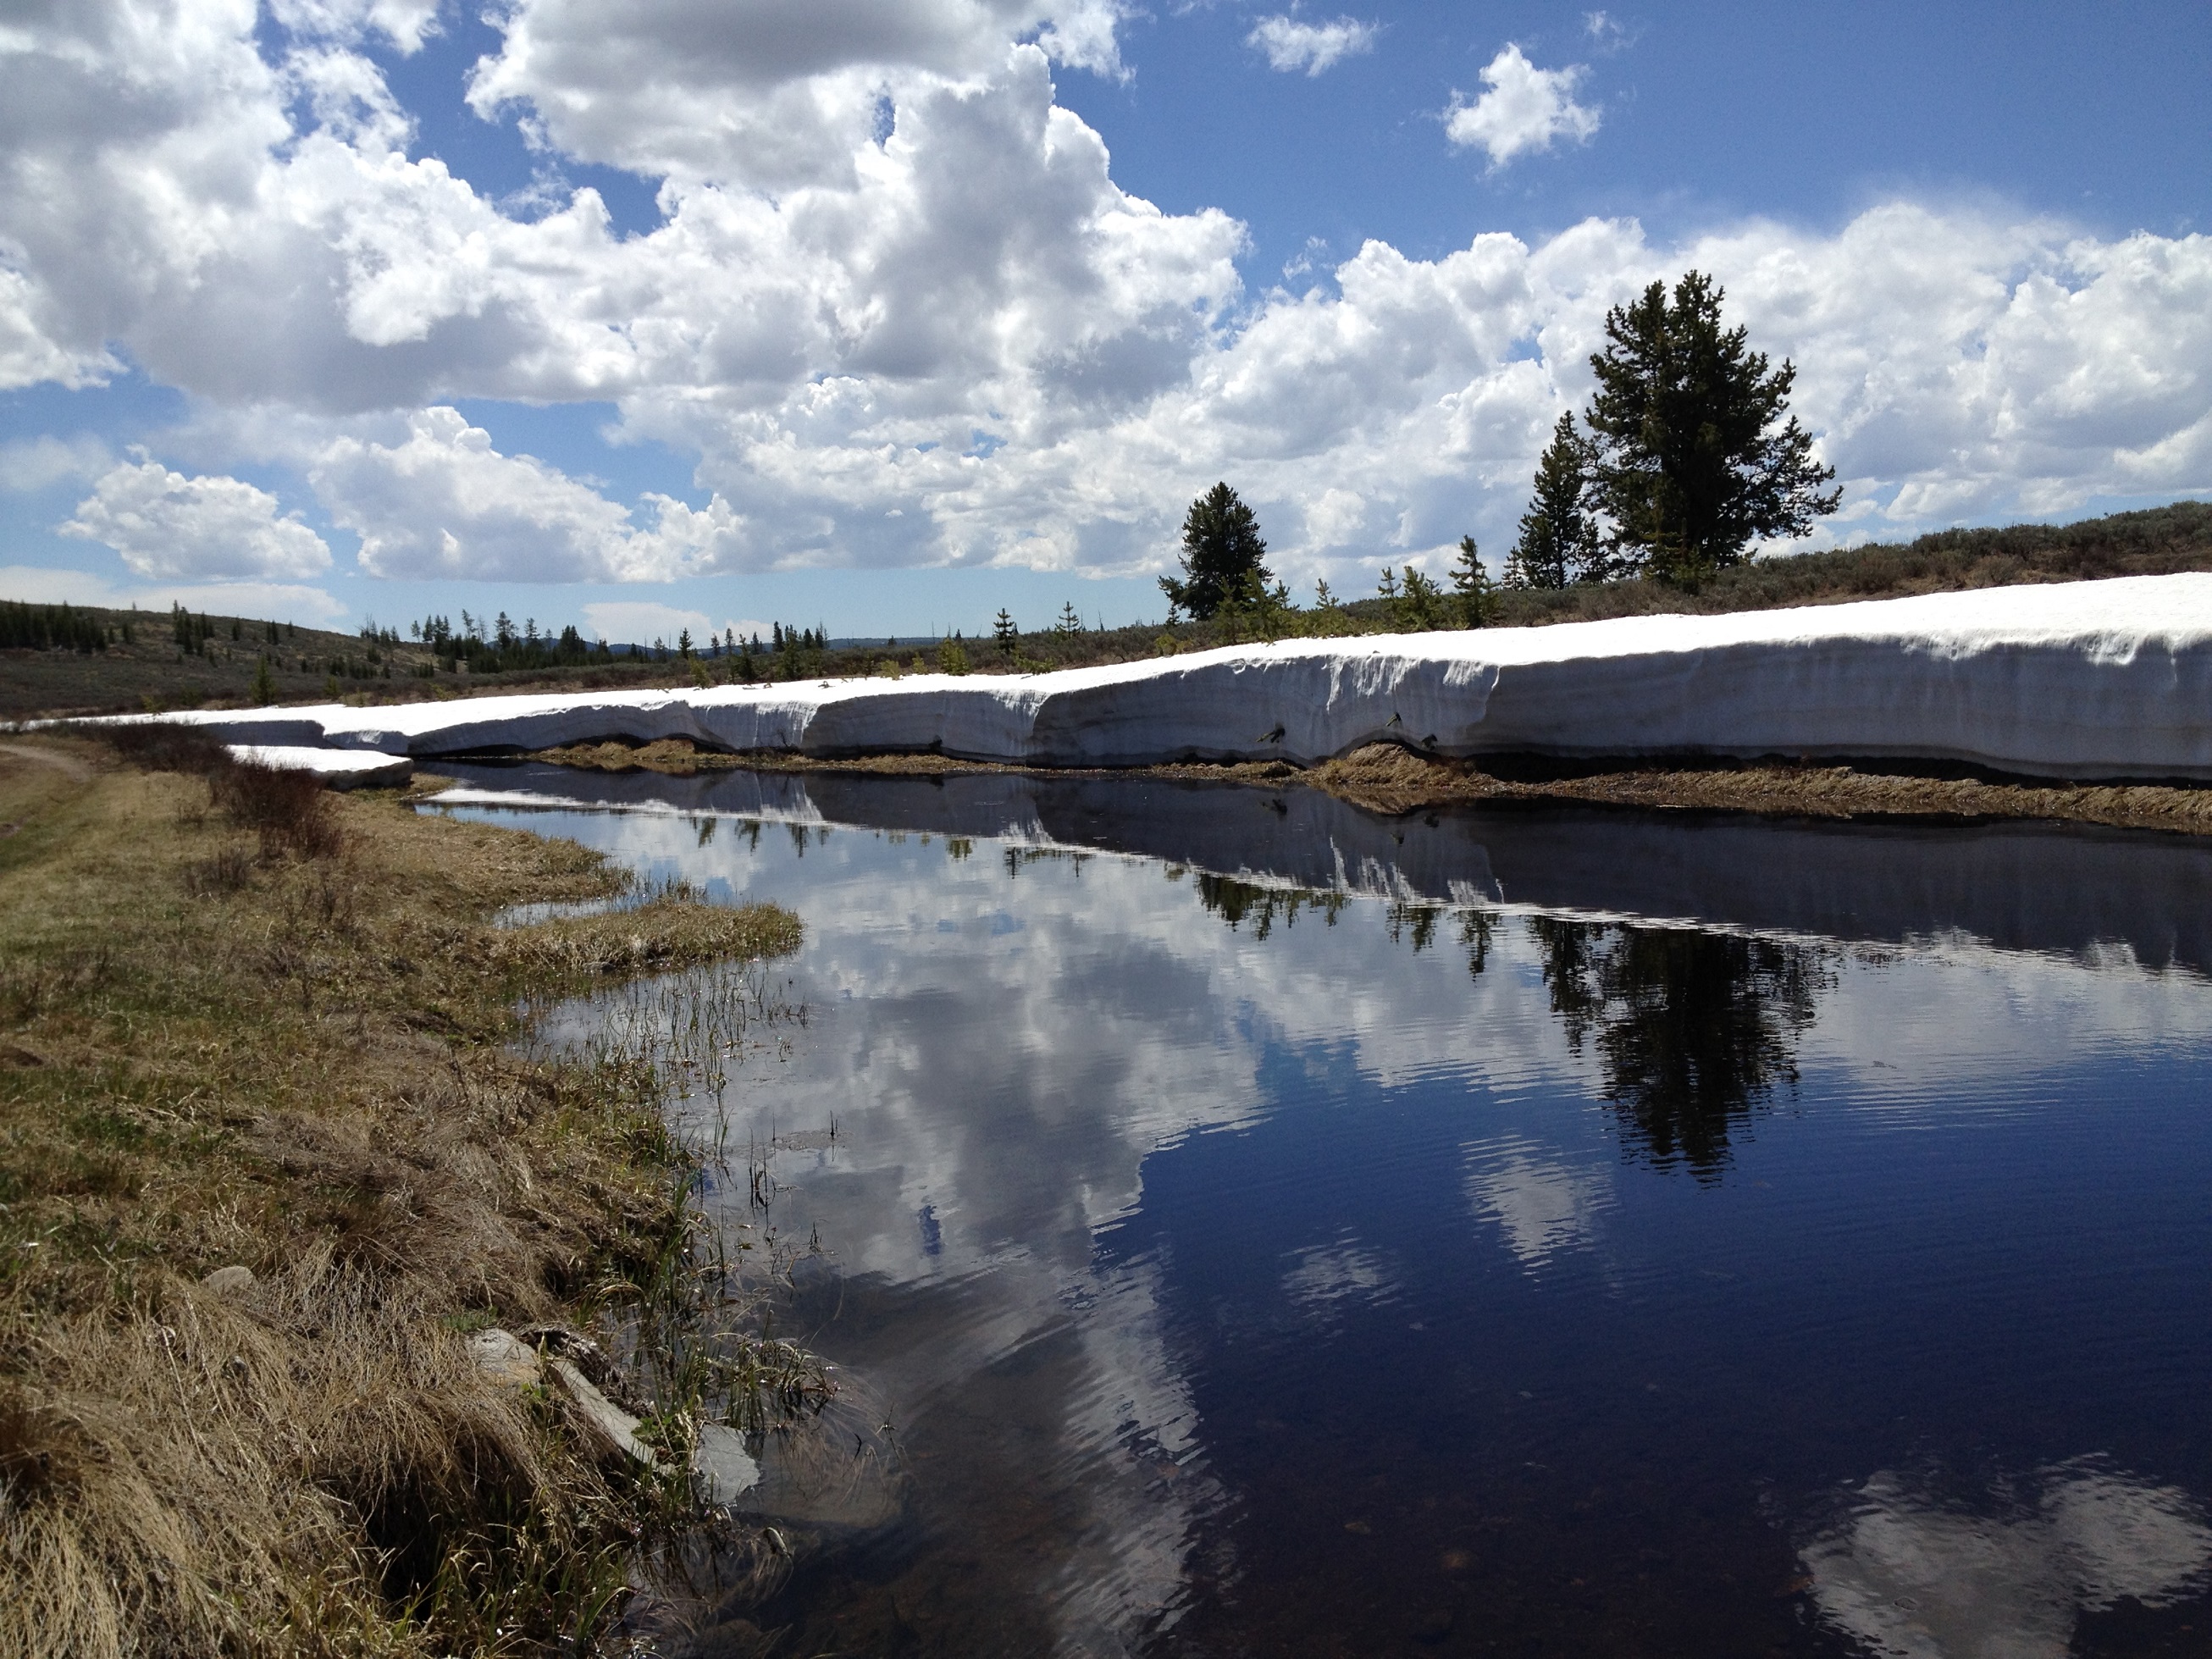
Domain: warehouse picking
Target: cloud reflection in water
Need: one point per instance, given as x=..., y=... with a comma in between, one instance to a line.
x=1913, y=1575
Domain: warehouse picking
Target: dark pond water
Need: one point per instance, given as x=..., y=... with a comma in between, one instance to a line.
x=1272, y=1229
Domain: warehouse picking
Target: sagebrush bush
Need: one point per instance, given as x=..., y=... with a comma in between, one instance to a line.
x=289, y=811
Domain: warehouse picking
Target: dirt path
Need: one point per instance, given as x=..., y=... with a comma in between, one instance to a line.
x=74, y=767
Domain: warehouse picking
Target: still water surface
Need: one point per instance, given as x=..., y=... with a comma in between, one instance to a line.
x=1270, y=1229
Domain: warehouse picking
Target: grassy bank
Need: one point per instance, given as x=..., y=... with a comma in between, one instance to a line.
x=244, y=1028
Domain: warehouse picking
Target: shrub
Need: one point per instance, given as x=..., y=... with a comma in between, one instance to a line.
x=289, y=811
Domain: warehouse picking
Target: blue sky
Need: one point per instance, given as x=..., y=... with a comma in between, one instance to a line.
x=1711, y=112
x=884, y=315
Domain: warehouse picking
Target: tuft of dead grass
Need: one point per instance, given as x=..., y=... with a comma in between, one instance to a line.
x=244, y=1044
x=668, y=933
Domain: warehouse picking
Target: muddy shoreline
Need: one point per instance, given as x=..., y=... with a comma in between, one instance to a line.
x=1394, y=781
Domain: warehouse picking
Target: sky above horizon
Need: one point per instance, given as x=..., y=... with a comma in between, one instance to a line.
x=881, y=315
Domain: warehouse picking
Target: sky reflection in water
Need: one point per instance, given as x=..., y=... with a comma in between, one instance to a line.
x=1276, y=1229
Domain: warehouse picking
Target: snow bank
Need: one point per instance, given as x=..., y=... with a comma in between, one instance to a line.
x=2082, y=679
x=341, y=769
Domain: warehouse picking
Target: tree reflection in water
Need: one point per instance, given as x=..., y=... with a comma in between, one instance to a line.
x=1695, y=1030
x=1239, y=902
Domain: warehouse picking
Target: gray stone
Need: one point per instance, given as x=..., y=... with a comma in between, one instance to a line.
x=614, y=1429
x=504, y=1357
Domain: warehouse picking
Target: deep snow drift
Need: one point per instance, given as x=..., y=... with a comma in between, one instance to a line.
x=2082, y=679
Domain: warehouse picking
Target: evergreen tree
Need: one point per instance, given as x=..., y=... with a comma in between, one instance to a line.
x=1558, y=542
x=1069, y=625
x=1423, y=606
x=1006, y=637
x=1222, y=558
x=1695, y=459
x=1471, y=583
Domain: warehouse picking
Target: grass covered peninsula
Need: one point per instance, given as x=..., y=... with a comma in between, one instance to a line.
x=269, y=1154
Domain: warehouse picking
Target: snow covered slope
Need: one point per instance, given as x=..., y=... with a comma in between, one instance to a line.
x=2082, y=679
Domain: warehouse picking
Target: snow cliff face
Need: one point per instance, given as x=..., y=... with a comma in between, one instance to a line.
x=2081, y=679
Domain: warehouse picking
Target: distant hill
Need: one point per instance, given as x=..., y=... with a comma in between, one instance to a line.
x=75, y=660
x=2153, y=542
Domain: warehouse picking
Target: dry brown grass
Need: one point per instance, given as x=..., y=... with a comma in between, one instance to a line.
x=666, y=934
x=217, y=1051
x=1386, y=778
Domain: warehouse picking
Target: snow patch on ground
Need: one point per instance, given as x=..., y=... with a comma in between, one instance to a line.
x=341, y=769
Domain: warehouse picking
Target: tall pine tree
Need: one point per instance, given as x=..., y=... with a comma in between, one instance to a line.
x=1694, y=458
x=1558, y=542
x=1222, y=554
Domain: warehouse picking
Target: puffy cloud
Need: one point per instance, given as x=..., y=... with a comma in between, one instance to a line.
x=164, y=523
x=1523, y=110
x=444, y=502
x=1081, y=35
x=769, y=93
x=902, y=313
x=29, y=352
x=1291, y=45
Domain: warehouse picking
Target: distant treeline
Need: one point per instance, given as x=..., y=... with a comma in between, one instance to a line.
x=494, y=645
x=52, y=627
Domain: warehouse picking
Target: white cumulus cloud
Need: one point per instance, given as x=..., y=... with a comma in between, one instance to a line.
x=1291, y=45
x=902, y=313
x=769, y=93
x=444, y=502
x=1523, y=110
x=164, y=523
